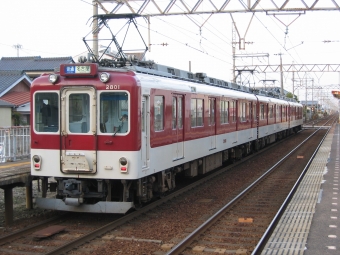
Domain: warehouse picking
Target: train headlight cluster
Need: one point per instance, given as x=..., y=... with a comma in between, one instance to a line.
x=36, y=162
x=53, y=78
x=104, y=77
x=123, y=163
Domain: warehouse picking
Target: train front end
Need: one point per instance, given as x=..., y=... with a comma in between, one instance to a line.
x=86, y=138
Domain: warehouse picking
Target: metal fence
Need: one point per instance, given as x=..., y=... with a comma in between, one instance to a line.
x=14, y=143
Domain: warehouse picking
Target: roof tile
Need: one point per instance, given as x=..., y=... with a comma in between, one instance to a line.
x=8, y=78
x=33, y=63
x=17, y=98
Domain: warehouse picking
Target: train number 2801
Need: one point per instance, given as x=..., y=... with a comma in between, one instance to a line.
x=111, y=86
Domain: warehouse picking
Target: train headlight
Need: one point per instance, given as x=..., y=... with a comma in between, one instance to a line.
x=123, y=164
x=104, y=77
x=36, y=162
x=53, y=78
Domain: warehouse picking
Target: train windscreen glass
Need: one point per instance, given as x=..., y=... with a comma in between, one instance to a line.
x=114, y=112
x=46, y=112
x=79, y=113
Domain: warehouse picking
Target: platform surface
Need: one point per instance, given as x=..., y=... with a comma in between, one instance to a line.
x=310, y=225
x=15, y=172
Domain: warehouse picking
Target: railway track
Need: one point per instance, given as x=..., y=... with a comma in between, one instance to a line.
x=156, y=227
x=246, y=221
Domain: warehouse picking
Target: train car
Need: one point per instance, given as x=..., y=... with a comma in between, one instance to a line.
x=111, y=139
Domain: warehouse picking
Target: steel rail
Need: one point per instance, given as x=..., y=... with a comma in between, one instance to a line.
x=263, y=241
x=181, y=246
x=13, y=236
x=108, y=227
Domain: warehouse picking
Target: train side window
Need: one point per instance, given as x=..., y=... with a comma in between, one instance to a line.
x=283, y=112
x=255, y=112
x=177, y=118
x=261, y=111
x=159, y=113
x=278, y=112
x=233, y=111
x=212, y=111
x=46, y=112
x=174, y=112
x=196, y=112
x=242, y=112
x=271, y=112
x=180, y=112
x=224, y=112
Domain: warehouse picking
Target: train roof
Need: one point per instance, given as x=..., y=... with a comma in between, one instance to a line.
x=153, y=75
x=186, y=86
x=189, y=82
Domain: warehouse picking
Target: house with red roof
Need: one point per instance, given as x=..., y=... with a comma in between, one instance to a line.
x=16, y=76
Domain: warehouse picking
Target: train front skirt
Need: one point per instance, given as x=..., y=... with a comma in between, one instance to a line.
x=99, y=207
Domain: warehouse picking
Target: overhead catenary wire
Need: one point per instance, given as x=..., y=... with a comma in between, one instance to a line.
x=204, y=45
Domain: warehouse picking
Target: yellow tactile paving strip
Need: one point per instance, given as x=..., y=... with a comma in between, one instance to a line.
x=290, y=235
x=14, y=164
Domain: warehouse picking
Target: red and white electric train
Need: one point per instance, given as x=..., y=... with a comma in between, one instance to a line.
x=110, y=139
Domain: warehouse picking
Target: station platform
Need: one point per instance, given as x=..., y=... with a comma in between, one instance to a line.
x=14, y=174
x=310, y=224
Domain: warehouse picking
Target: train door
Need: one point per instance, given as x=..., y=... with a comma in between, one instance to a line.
x=212, y=122
x=250, y=118
x=233, y=112
x=78, y=130
x=177, y=127
x=145, y=128
x=288, y=115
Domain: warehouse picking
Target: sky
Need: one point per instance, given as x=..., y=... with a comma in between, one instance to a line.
x=56, y=28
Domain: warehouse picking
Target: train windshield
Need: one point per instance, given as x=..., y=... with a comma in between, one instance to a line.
x=114, y=112
x=46, y=112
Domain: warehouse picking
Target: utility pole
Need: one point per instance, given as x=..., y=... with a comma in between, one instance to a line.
x=281, y=73
x=17, y=47
x=233, y=36
x=241, y=43
x=95, y=29
x=293, y=84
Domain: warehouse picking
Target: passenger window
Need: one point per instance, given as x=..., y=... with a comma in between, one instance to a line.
x=180, y=112
x=174, y=112
x=233, y=111
x=212, y=111
x=224, y=112
x=196, y=112
x=242, y=112
x=271, y=115
x=79, y=113
x=159, y=113
x=261, y=111
x=278, y=112
x=114, y=112
x=46, y=112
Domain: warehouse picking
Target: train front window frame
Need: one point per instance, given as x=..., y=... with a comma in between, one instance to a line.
x=46, y=112
x=114, y=112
